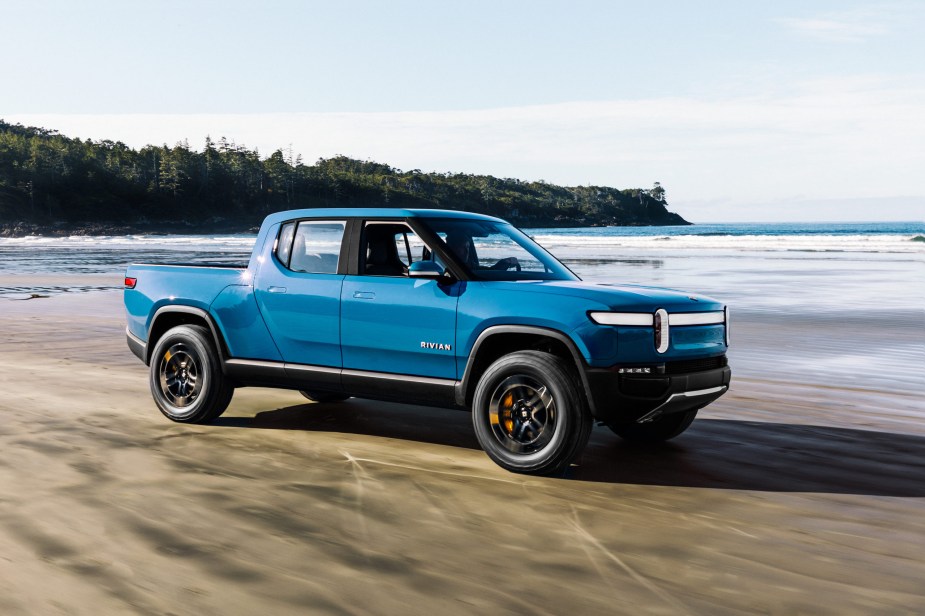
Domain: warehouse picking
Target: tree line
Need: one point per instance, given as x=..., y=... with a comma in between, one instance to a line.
x=46, y=177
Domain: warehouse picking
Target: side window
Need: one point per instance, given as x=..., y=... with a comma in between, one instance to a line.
x=410, y=247
x=389, y=248
x=284, y=243
x=434, y=256
x=316, y=247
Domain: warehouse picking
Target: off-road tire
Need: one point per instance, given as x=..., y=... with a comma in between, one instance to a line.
x=186, y=376
x=529, y=414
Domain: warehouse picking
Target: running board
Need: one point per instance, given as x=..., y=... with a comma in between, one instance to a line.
x=359, y=383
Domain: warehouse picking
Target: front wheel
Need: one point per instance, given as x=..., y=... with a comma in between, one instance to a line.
x=186, y=377
x=529, y=415
x=662, y=429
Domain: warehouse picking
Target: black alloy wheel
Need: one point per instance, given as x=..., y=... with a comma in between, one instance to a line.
x=179, y=375
x=522, y=414
x=186, y=377
x=529, y=415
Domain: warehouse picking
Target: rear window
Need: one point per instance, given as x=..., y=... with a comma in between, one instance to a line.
x=311, y=246
x=284, y=243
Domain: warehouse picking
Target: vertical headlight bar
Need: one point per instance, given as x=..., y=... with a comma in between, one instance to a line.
x=661, y=330
x=726, y=323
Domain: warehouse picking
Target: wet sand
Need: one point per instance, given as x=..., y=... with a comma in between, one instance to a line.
x=794, y=493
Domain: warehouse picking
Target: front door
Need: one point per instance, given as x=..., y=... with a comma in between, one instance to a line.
x=392, y=323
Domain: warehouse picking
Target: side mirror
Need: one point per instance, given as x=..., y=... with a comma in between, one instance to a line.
x=425, y=269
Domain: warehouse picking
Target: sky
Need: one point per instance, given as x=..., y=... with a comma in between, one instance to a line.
x=744, y=111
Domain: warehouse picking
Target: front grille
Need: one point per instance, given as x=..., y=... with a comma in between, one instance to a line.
x=695, y=365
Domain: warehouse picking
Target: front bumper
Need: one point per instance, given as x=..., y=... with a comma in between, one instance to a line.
x=641, y=398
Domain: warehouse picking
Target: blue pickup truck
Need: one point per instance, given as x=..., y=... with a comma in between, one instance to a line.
x=439, y=308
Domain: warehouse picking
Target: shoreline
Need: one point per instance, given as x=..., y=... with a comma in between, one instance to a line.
x=62, y=230
x=21, y=230
x=251, y=225
x=91, y=229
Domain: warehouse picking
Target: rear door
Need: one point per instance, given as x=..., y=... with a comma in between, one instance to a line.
x=299, y=291
x=392, y=323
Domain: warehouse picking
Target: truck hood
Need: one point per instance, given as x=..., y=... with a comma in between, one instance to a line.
x=617, y=297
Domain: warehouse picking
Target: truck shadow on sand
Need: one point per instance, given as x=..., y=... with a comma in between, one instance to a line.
x=770, y=457
x=725, y=454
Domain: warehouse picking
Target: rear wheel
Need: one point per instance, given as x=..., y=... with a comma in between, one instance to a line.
x=186, y=376
x=662, y=429
x=323, y=396
x=529, y=415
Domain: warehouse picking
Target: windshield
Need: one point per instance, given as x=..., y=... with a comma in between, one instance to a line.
x=497, y=251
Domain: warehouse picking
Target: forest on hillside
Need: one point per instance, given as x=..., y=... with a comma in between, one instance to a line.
x=52, y=182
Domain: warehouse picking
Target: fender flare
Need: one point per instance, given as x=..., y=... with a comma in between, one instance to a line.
x=462, y=387
x=198, y=312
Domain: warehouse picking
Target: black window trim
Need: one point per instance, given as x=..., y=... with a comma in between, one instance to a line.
x=348, y=263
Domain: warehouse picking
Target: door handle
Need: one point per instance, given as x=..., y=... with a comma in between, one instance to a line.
x=276, y=289
x=364, y=295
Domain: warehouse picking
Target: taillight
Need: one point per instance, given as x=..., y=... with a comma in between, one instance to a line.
x=130, y=282
x=661, y=330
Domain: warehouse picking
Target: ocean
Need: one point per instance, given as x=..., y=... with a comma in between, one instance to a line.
x=830, y=303
x=757, y=266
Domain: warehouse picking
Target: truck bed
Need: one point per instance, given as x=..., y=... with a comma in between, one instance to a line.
x=160, y=284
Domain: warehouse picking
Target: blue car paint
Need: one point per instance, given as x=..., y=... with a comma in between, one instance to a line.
x=563, y=306
x=242, y=324
x=302, y=312
x=384, y=322
x=174, y=285
x=330, y=319
x=488, y=304
x=619, y=298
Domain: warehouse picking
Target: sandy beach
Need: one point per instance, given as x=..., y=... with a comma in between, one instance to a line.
x=796, y=492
